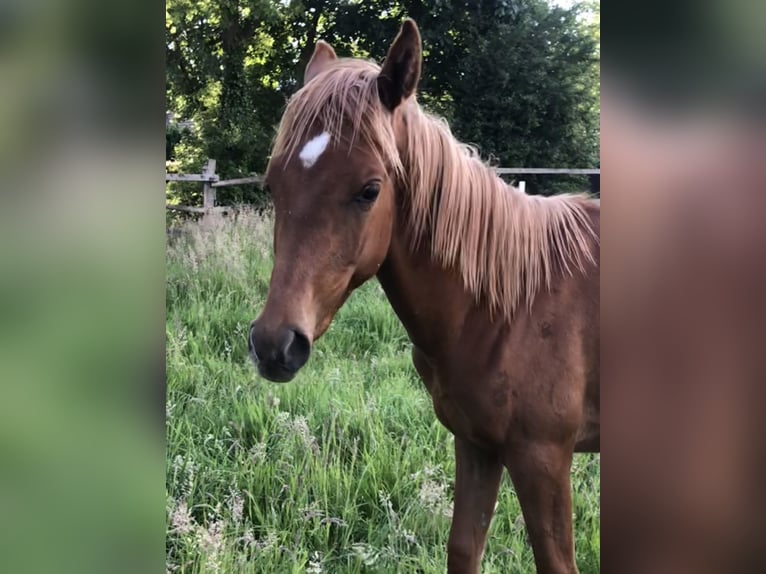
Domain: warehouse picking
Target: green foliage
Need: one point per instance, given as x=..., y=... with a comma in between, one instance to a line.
x=345, y=469
x=521, y=90
x=519, y=79
x=173, y=135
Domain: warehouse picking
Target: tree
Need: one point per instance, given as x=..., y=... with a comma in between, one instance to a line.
x=218, y=70
x=521, y=79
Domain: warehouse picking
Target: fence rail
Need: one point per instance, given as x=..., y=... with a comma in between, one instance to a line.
x=544, y=171
x=202, y=210
x=239, y=181
x=189, y=177
x=211, y=182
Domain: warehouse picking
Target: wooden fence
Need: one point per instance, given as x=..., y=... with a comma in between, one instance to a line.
x=211, y=182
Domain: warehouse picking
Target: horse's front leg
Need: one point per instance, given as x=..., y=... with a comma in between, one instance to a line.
x=540, y=473
x=476, y=484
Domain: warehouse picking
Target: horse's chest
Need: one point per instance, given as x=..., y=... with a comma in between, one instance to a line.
x=465, y=416
x=445, y=409
x=459, y=408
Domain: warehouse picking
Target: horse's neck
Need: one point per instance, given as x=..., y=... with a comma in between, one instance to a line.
x=431, y=302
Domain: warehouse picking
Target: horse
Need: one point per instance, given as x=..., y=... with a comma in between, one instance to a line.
x=497, y=290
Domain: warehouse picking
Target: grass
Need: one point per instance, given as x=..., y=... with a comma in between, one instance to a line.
x=345, y=469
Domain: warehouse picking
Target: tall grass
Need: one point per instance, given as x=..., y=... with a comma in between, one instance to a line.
x=346, y=469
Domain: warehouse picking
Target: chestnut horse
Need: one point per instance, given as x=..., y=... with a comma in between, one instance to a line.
x=498, y=291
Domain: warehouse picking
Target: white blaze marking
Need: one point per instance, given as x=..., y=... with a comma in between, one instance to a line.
x=313, y=149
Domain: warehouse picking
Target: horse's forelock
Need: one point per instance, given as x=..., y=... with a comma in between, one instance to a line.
x=343, y=101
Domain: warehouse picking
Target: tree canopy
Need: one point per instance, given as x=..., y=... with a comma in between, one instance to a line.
x=517, y=78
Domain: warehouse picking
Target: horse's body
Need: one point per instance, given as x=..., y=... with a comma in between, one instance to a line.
x=494, y=381
x=498, y=291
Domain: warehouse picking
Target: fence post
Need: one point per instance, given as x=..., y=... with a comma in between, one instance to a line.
x=208, y=191
x=523, y=186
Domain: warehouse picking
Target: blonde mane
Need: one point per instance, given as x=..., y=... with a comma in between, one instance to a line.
x=506, y=245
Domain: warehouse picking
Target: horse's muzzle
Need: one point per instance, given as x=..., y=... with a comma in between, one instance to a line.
x=278, y=354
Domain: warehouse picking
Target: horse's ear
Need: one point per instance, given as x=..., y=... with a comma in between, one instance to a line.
x=401, y=70
x=323, y=55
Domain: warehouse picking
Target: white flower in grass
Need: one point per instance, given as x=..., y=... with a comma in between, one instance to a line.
x=366, y=553
x=184, y=472
x=385, y=500
x=282, y=421
x=315, y=564
x=312, y=511
x=269, y=542
x=211, y=542
x=272, y=401
x=433, y=496
x=248, y=539
x=236, y=506
x=409, y=537
x=301, y=429
x=181, y=520
x=333, y=520
x=258, y=452
x=427, y=472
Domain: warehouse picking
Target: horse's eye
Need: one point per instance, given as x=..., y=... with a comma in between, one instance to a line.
x=368, y=194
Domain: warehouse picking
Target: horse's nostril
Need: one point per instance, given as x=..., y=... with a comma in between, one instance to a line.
x=298, y=349
x=289, y=339
x=278, y=352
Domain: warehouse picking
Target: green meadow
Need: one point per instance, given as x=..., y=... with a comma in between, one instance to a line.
x=345, y=469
